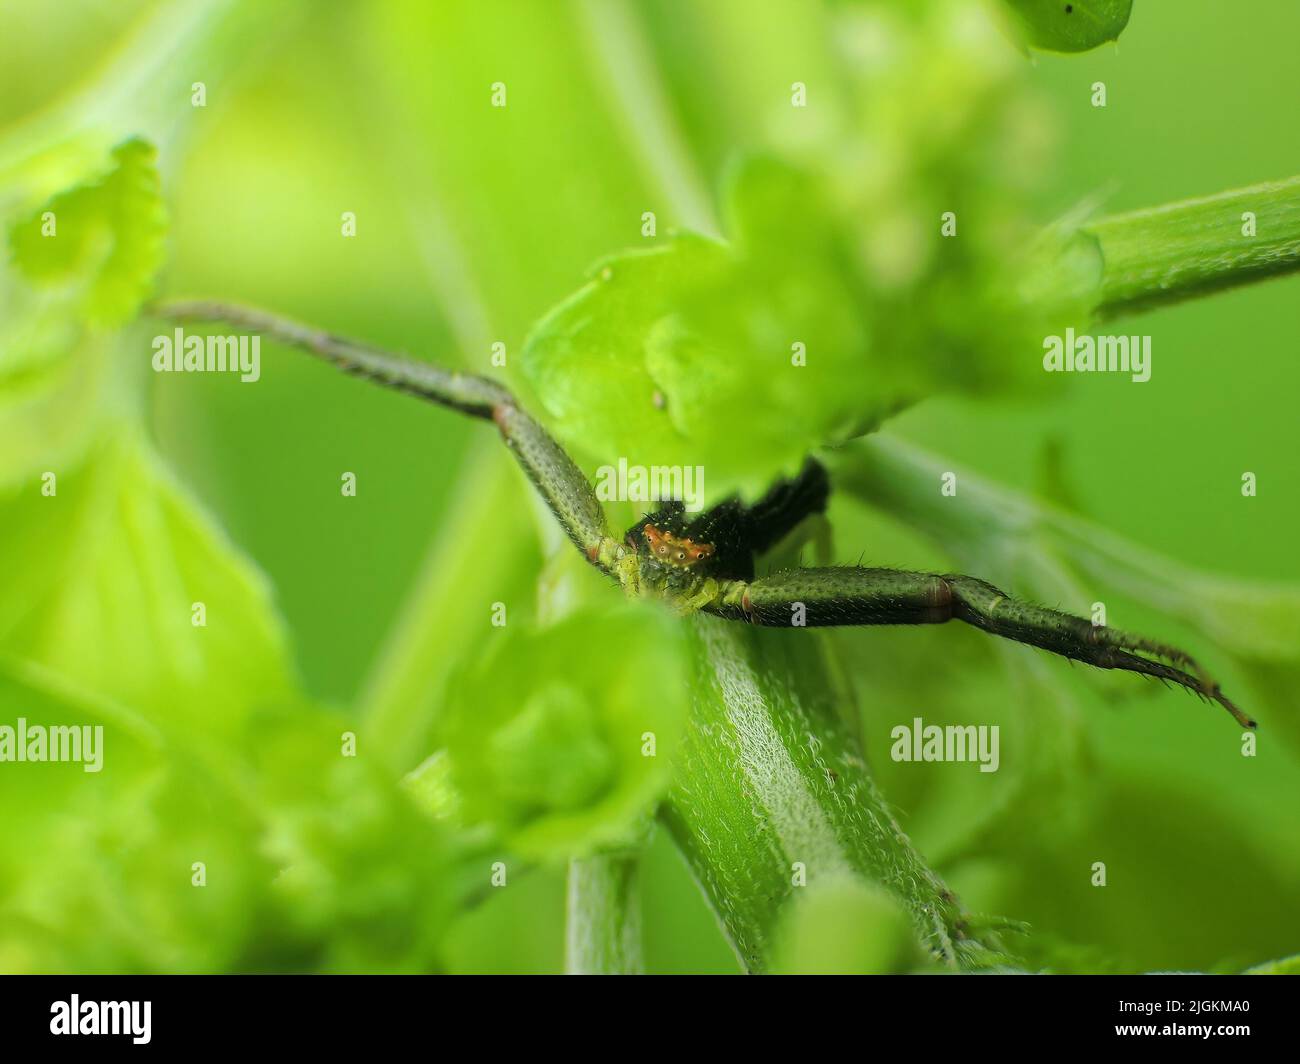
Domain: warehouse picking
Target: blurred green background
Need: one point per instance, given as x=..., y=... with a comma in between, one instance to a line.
x=473, y=222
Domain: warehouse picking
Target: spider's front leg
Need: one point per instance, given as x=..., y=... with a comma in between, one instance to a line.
x=552, y=472
x=857, y=596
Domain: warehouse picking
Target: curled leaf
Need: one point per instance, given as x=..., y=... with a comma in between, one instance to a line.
x=81, y=260
x=103, y=237
x=560, y=739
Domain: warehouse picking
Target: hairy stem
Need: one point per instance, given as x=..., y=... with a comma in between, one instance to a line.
x=603, y=916
x=1166, y=254
x=771, y=794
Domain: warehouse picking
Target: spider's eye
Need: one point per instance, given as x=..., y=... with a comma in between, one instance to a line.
x=662, y=549
x=681, y=555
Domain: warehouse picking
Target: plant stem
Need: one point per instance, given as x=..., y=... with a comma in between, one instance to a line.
x=623, y=60
x=1163, y=255
x=603, y=918
x=474, y=561
x=771, y=793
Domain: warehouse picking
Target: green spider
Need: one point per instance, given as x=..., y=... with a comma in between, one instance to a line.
x=707, y=563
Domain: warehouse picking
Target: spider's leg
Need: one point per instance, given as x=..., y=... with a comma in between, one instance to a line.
x=787, y=503
x=553, y=473
x=559, y=481
x=840, y=596
x=470, y=394
x=1128, y=641
x=854, y=596
x=984, y=606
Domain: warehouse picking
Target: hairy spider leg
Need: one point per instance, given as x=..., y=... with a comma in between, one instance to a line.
x=981, y=604
x=860, y=596
x=555, y=475
x=787, y=503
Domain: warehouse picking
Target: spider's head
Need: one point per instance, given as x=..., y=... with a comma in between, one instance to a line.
x=677, y=551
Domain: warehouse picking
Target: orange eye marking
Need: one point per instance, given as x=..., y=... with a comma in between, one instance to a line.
x=678, y=551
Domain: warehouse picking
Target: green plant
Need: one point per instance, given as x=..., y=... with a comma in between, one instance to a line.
x=676, y=356
x=702, y=566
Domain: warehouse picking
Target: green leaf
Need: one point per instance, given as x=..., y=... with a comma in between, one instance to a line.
x=854, y=284
x=95, y=873
x=312, y=860
x=1078, y=26
x=54, y=379
x=547, y=732
x=125, y=556
x=660, y=354
x=104, y=237
x=816, y=321
x=702, y=334
x=366, y=882
x=60, y=292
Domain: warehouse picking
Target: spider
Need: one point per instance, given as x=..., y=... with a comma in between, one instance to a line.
x=706, y=563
